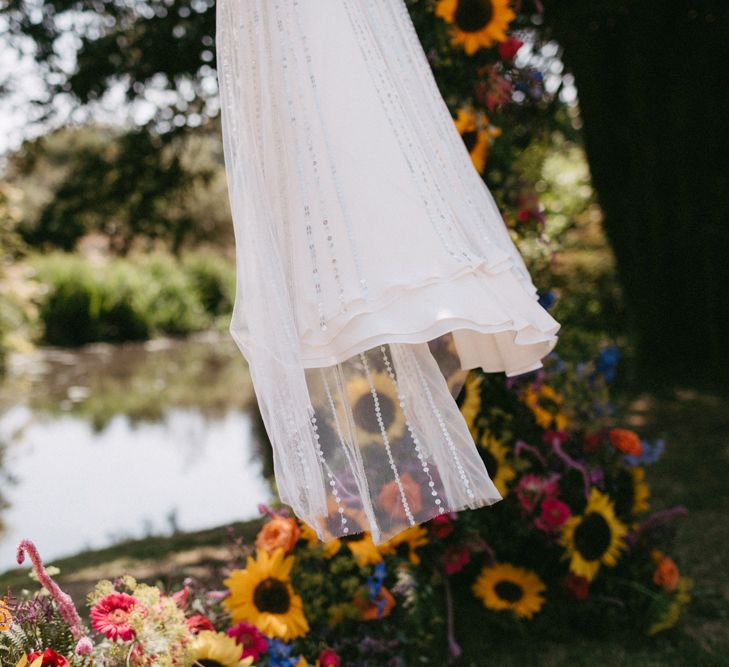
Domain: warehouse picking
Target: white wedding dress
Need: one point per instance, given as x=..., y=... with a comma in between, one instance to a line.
x=374, y=267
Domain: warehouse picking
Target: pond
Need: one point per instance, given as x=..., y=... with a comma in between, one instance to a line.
x=121, y=441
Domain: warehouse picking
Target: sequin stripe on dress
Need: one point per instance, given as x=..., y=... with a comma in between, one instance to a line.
x=468, y=178
x=409, y=144
x=284, y=397
x=341, y=200
x=413, y=436
x=276, y=153
x=357, y=471
x=291, y=78
x=422, y=97
x=410, y=94
x=386, y=441
x=405, y=358
x=297, y=41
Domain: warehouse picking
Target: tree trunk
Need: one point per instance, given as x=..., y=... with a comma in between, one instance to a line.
x=653, y=84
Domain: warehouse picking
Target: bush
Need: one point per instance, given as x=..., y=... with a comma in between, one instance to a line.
x=123, y=299
x=213, y=277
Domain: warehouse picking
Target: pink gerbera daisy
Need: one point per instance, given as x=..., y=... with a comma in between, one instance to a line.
x=110, y=616
x=250, y=638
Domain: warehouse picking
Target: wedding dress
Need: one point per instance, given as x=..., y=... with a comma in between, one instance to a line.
x=373, y=266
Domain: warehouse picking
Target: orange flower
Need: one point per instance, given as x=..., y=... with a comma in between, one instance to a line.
x=391, y=499
x=279, y=532
x=666, y=574
x=376, y=610
x=625, y=441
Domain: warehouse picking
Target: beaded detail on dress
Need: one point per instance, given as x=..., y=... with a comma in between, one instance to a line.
x=374, y=267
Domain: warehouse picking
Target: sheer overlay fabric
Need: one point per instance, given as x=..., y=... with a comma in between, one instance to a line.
x=373, y=266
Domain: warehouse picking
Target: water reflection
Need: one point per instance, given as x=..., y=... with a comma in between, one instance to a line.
x=121, y=441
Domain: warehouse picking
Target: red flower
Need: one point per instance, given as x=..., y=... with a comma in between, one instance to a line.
x=508, y=49
x=50, y=658
x=456, y=558
x=110, y=616
x=441, y=526
x=591, y=442
x=328, y=658
x=578, y=586
x=198, y=623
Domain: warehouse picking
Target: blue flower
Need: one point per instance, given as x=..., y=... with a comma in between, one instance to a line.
x=547, y=299
x=279, y=654
x=374, y=586
x=651, y=454
x=607, y=362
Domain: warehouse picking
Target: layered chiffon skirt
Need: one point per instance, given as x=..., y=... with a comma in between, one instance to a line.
x=374, y=268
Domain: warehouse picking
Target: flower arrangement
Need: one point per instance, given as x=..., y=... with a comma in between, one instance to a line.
x=571, y=545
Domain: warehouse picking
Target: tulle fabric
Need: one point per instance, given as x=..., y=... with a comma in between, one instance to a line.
x=374, y=268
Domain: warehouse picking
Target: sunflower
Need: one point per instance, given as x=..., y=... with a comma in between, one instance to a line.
x=471, y=405
x=504, y=586
x=546, y=406
x=363, y=549
x=6, y=619
x=262, y=595
x=214, y=649
x=641, y=491
x=362, y=400
x=673, y=612
x=476, y=24
x=494, y=454
x=593, y=538
x=477, y=135
x=330, y=548
x=412, y=539
x=24, y=662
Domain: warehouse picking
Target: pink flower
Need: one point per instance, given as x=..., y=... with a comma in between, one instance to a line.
x=328, y=658
x=554, y=515
x=180, y=597
x=66, y=607
x=250, y=638
x=492, y=90
x=456, y=558
x=532, y=488
x=84, y=646
x=110, y=616
x=508, y=49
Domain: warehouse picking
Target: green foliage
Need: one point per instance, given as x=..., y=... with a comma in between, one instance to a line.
x=213, y=278
x=127, y=299
x=133, y=189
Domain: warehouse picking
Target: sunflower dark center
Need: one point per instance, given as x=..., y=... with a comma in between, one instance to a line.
x=592, y=536
x=473, y=15
x=549, y=405
x=509, y=591
x=355, y=537
x=272, y=595
x=364, y=412
x=469, y=138
x=205, y=662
